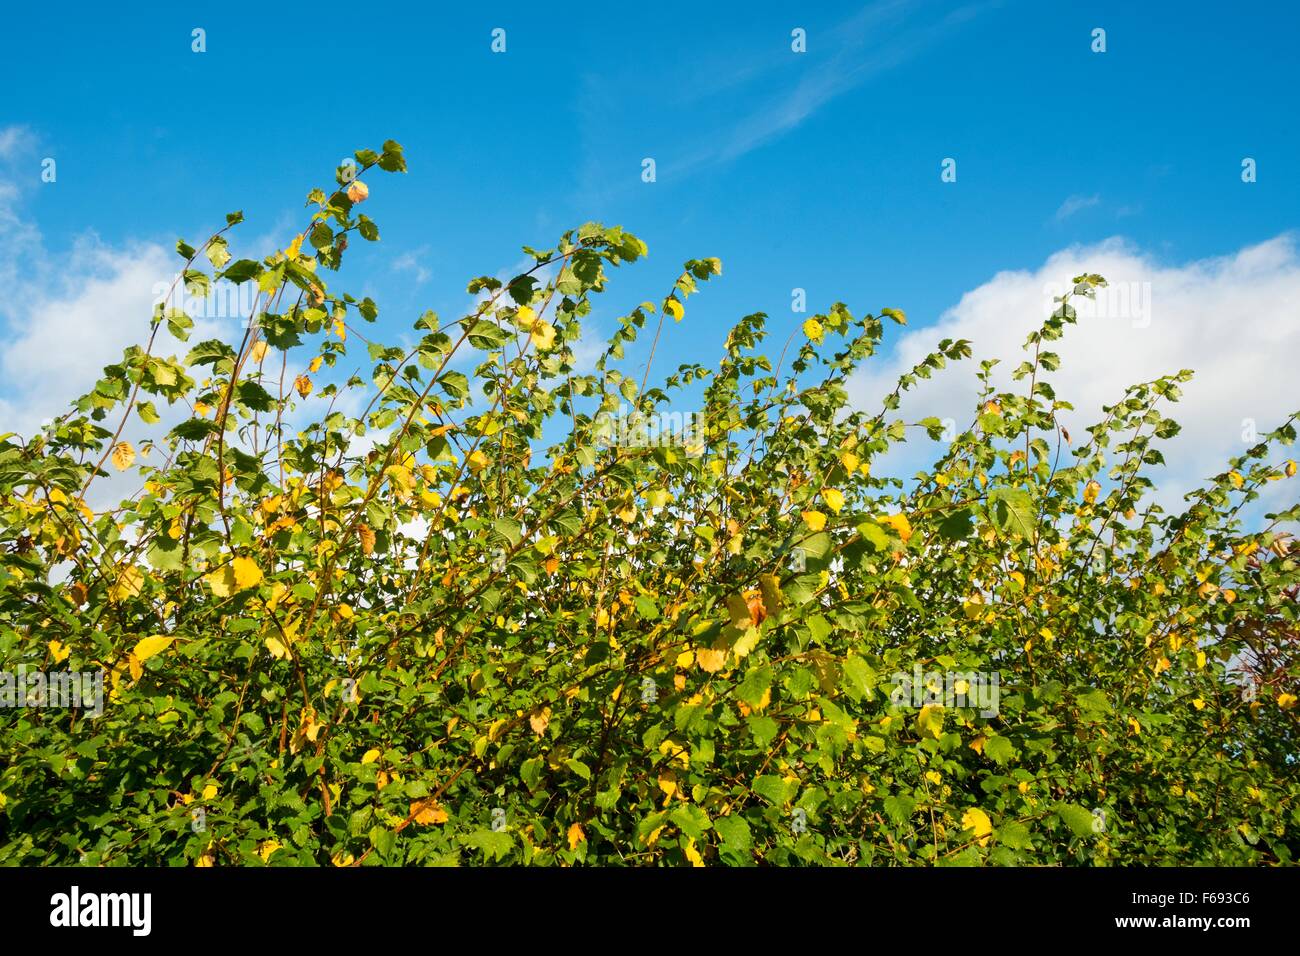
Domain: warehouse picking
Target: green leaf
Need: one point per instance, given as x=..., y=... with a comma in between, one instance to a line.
x=758, y=680
x=241, y=270
x=1079, y=820
x=857, y=677
x=1013, y=511
x=494, y=844
x=217, y=252
x=508, y=530
x=874, y=535
x=899, y=808
x=734, y=831
x=773, y=789
x=958, y=525
x=1014, y=835
x=999, y=749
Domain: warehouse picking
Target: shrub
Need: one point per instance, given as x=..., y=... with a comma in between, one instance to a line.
x=477, y=610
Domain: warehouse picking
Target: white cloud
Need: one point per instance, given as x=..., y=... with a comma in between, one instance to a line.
x=1234, y=320
x=69, y=313
x=65, y=335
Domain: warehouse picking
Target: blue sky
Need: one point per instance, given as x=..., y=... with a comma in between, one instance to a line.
x=818, y=170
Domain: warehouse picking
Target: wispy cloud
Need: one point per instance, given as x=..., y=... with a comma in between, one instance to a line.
x=744, y=105
x=1076, y=204
x=415, y=262
x=13, y=140
x=880, y=37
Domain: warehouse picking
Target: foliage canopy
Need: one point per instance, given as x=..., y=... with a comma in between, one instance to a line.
x=436, y=610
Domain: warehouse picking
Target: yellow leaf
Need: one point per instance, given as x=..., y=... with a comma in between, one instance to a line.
x=247, y=573
x=1285, y=701
x=710, y=661
x=668, y=784
x=930, y=720
x=693, y=854
x=1236, y=479
x=576, y=836
x=542, y=335
x=540, y=720
x=427, y=811
x=315, y=364
x=738, y=609
x=902, y=527
x=526, y=318
x=239, y=575
x=674, y=308
x=815, y=520
x=367, y=538
x=1289, y=468
x=303, y=384
x=358, y=192
x=1090, y=491
x=129, y=583
x=266, y=848
x=477, y=461
x=295, y=247
x=258, y=351
x=123, y=455
x=676, y=752
x=370, y=756
x=150, y=646
x=978, y=822
x=834, y=499
x=813, y=329
x=277, y=649
x=59, y=651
